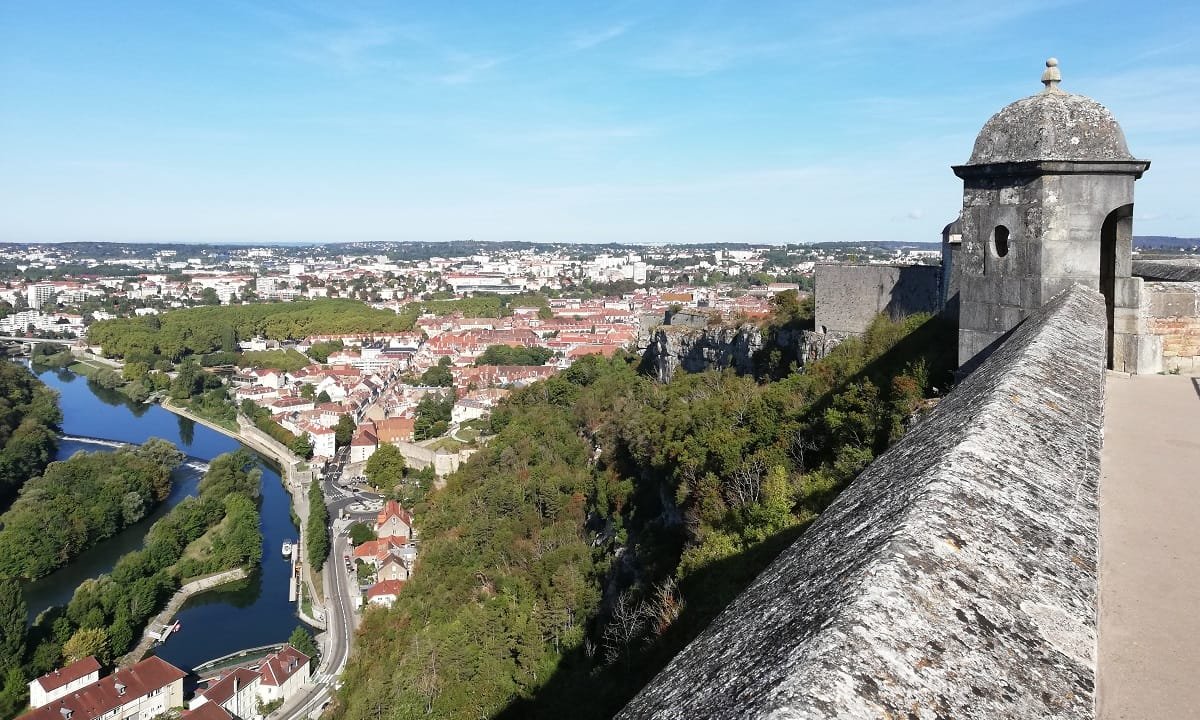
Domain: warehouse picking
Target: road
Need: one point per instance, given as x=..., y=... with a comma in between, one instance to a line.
x=341, y=617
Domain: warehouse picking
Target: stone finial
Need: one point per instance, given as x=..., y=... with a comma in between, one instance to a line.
x=1051, y=77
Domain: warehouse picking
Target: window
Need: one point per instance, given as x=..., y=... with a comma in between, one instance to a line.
x=1000, y=240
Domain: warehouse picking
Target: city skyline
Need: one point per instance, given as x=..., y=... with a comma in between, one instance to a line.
x=255, y=123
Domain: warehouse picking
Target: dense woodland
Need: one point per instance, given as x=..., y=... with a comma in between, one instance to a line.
x=611, y=518
x=29, y=418
x=200, y=331
x=505, y=355
x=215, y=530
x=78, y=502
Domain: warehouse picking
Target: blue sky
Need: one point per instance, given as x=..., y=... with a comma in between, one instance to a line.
x=222, y=120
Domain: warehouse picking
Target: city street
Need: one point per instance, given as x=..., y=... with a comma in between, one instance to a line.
x=342, y=594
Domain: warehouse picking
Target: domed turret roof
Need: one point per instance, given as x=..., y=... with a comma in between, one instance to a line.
x=1051, y=125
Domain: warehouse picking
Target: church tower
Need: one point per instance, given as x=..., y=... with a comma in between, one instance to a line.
x=1048, y=202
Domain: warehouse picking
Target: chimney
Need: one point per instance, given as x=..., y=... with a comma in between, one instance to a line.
x=120, y=689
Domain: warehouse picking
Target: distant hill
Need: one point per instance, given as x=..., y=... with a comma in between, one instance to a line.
x=1164, y=242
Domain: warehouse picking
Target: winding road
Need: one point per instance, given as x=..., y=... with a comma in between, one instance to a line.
x=341, y=618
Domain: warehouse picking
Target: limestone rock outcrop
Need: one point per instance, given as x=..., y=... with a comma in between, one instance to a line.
x=670, y=347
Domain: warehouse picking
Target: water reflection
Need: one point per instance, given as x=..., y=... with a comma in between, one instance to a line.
x=251, y=613
x=187, y=430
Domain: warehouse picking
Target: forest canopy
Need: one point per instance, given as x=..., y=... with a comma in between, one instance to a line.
x=202, y=330
x=611, y=517
x=81, y=501
x=29, y=418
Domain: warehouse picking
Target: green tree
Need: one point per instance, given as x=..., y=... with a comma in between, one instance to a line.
x=186, y=381
x=317, y=528
x=505, y=355
x=308, y=391
x=302, y=640
x=209, y=296
x=302, y=446
x=433, y=416
x=12, y=623
x=85, y=642
x=385, y=468
x=135, y=371
x=323, y=397
x=360, y=533
x=14, y=694
x=439, y=375
x=344, y=432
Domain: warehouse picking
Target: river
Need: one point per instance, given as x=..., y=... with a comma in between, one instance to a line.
x=247, y=614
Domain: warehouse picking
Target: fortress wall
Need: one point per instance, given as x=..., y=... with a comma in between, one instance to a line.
x=956, y=577
x=850, y=296
x=1172, y=311
x=1174, y=270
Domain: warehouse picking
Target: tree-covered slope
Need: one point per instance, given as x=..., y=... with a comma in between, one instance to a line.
x=611, y=518
x=29, y=418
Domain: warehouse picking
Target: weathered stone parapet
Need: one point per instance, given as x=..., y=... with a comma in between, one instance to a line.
x=955, y=578
x=1177, y=270
x=1172, y=313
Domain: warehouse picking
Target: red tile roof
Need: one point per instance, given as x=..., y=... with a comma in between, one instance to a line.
x=393, y=509
x=222, y=690
x=80, y=668
x=385, y=587
x=207, y=711
x=280, y=666
x=93, y=701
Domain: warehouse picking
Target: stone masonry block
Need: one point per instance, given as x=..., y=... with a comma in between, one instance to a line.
x=1127, y=292
x=1010, y=291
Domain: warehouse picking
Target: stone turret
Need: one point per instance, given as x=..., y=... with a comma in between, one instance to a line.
x=1047, y=203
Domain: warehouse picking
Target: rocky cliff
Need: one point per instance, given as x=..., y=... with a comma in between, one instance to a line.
x=687, y=340
x=669, y=347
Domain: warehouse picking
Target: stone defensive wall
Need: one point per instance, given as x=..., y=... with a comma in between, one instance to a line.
x=848, y=297
x=1171, y=310
x=956, y=577
x=1175, y=270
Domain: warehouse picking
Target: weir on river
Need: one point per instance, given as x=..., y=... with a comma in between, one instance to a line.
x=251, y=612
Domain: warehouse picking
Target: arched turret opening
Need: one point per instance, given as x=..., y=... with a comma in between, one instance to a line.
x=1116, y=250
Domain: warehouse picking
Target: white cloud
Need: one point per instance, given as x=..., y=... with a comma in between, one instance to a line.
x=592, y=38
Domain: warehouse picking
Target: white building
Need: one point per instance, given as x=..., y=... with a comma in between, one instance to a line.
x=323, y=440
x=39, y=295
x=63, y=681
x=283, y=673
x=241, y=692
x=148, y=689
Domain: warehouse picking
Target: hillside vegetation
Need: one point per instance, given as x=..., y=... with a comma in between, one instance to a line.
x=611, y=518
x=29, y=418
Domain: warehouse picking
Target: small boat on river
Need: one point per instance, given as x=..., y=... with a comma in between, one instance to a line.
x=287, y=548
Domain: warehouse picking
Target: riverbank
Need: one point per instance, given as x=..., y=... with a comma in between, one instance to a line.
x=251, y=612
x=295, y=480
x=177, y=600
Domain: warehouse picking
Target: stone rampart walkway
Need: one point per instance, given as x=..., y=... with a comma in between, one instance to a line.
x=1149, y=644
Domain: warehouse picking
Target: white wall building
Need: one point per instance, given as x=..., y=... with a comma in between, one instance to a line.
x=63, y=681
